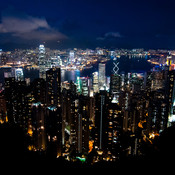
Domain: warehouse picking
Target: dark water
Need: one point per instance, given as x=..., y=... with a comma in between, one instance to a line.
x=126, y=64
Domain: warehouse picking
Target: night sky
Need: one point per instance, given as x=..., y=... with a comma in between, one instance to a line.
x=87, y=24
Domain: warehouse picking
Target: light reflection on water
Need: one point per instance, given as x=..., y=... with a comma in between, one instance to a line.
x=126, y=64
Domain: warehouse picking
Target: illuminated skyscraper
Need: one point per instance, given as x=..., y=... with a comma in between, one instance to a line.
x=71, y=57
x=79, y=85
x=53, y=87
x=102, y=75
x=42, y=62
x=85, y=86
x=19, y=76
x=171, y=97
x=95, y=82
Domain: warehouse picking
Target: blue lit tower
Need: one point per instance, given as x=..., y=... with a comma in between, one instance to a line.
x=42, y=62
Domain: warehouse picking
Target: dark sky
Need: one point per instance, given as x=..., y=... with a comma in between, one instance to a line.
x=87, y=23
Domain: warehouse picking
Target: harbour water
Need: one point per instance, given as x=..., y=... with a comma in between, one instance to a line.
x=126, y=64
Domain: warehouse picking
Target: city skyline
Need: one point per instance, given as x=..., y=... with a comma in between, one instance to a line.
x=87, y=24
x=88, y=120
x=87, y=83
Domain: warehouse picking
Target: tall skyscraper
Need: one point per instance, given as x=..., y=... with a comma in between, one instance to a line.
x=95, y=82
x=19, y=76
x=54, y=111
x=38, y=125
x=171, y=97
x=71, y=57
x=54, y=131
x=102, y=75
x=53, y=87
x=42, y=62
x=85, y=86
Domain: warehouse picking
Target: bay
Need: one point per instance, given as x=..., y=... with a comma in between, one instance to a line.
x=126, y=64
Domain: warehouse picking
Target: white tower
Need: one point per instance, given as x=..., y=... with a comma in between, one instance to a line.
x=42, y=62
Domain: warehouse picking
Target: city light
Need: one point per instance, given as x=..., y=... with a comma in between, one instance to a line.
x=80, y=106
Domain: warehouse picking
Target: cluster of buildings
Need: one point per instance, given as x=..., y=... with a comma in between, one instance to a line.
x=93, y=117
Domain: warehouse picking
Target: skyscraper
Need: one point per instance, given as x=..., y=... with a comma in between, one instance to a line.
x=102, y=75
x=38, y=125
x=42, y=62
x=71, y=57
x=19, y=76
x=53, y=87
x=95, y=82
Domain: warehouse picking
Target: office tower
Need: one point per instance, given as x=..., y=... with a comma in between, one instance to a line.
x=71, y=57
x=95, y=82
x=102, y=76
x=38, y=125
x=42, y=62
x=54, y=131
x=79, y=85
x=53, y=87
x=55, y=61
x=38, y=90
x=85, y=86
x=19, y=75
x=115, y=84
x=115, y=69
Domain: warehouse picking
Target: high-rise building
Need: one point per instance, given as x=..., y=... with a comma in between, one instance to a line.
x=115, y=84
x=10, y=96
x=171, y=97
x=102, y=76
x=85, y=85
x=108, y=126
x=101, y=100
x=53, y=87
x=38, y=126
x=42, y=62
x=3, y=110
x=19, y=75
x=71, y=57
x=38, y=90
x=95, y=82
x=114, y=130
x=54, y=131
